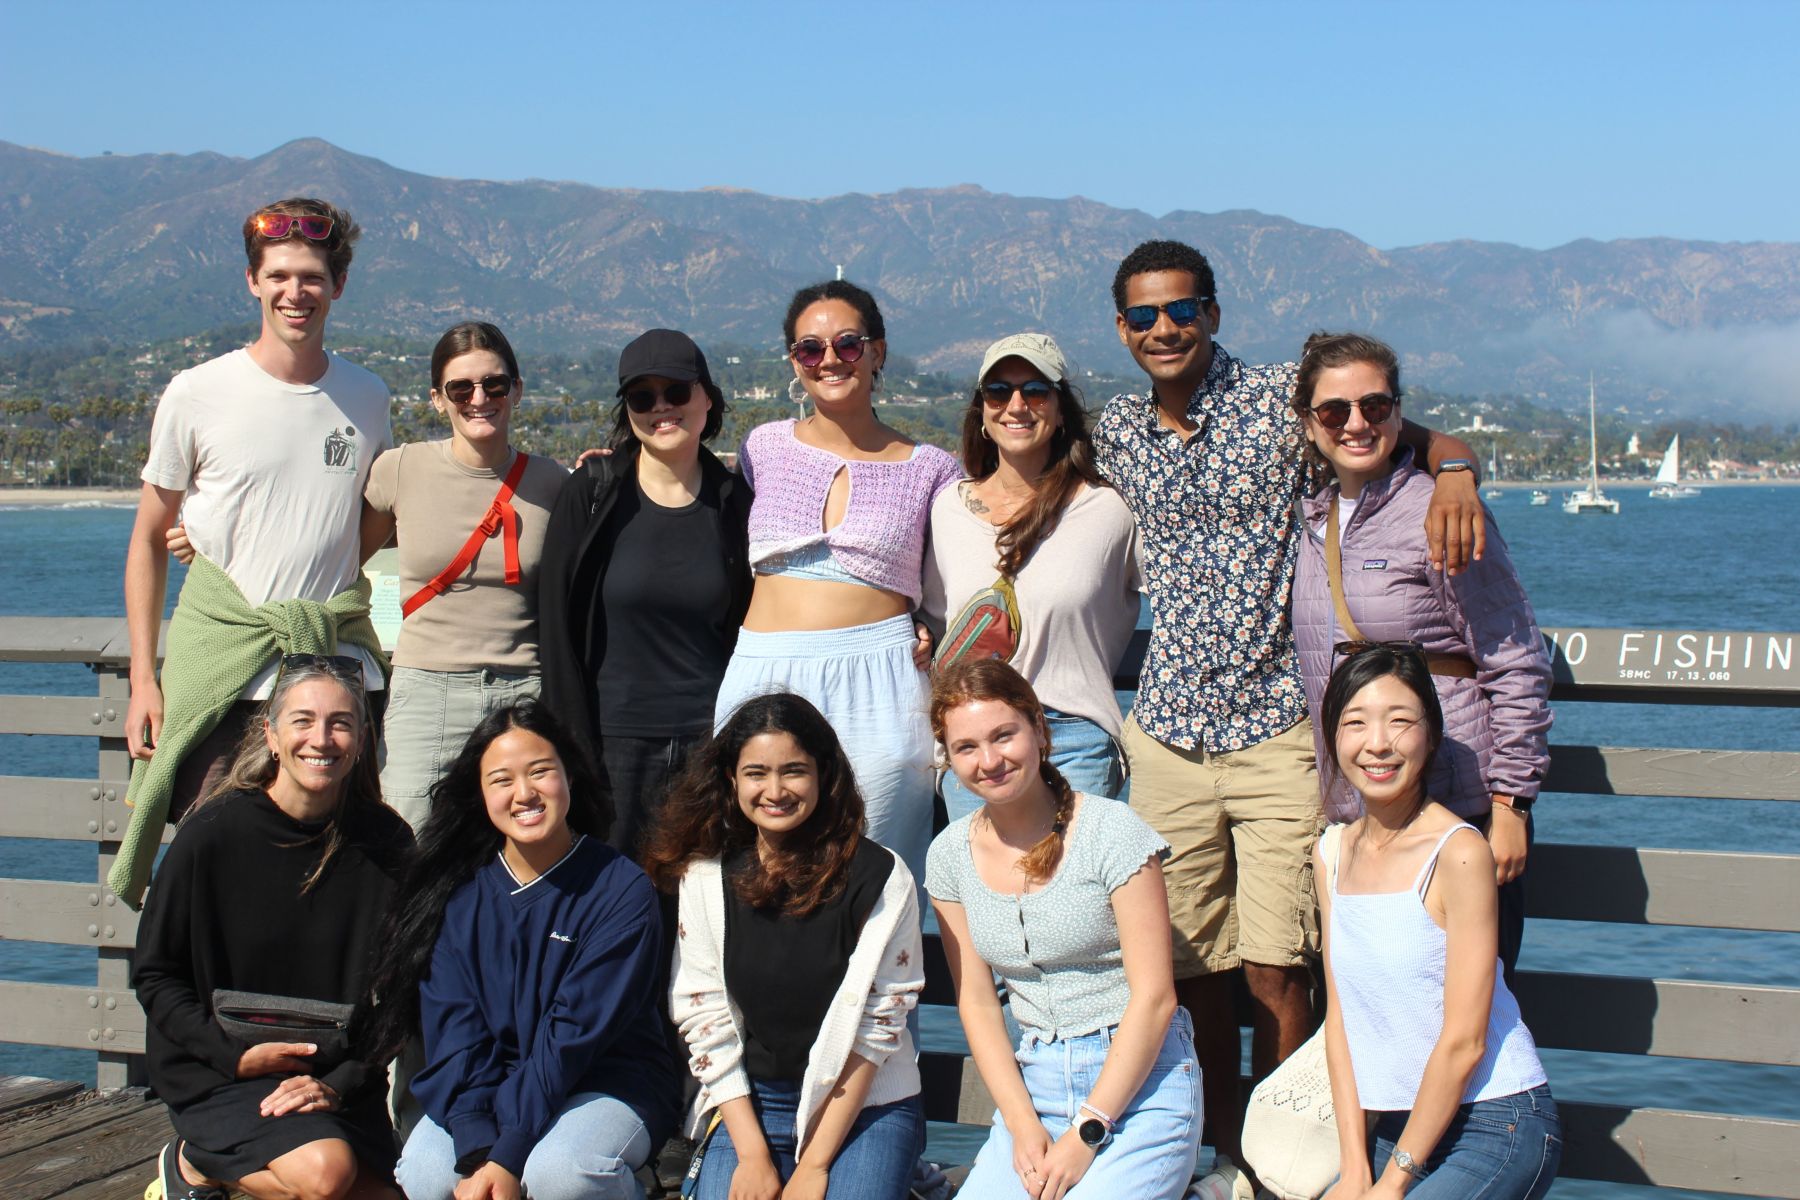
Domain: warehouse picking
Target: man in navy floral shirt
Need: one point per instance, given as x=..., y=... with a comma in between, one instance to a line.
x=1221, y=751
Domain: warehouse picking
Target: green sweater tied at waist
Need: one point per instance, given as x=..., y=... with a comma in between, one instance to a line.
x=217, y=643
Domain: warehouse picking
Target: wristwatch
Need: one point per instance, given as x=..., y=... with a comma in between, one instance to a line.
x=1519, y=804
x=1094, y=1133
x=1454, y=464
x=1403, y=1163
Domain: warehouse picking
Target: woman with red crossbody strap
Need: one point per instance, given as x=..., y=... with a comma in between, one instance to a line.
x=469, y=515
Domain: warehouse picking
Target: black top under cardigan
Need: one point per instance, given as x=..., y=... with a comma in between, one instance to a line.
x=576, y=551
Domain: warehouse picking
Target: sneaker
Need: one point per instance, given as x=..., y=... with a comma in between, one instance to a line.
x=1225, y=1182
x=170, y=1184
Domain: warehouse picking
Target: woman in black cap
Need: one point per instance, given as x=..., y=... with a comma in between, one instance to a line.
x=645, y=579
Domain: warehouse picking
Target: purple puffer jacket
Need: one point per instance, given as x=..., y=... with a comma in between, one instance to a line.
x=1495, y=725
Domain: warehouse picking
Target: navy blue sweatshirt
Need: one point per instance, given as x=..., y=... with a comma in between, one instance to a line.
x=539, y=992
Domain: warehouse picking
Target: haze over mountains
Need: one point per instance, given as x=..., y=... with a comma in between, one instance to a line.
x=145, y=246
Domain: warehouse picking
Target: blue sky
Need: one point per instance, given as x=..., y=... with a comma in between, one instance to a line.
x=1400, y=122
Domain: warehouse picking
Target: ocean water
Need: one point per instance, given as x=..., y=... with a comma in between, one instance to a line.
x=1711, y=563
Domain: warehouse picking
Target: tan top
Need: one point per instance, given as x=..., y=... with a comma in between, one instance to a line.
x=436, y=502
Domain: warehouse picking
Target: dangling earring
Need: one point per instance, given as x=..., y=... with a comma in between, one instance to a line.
x=796, y=391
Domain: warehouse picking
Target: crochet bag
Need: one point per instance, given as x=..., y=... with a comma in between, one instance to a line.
x=1290, y=1125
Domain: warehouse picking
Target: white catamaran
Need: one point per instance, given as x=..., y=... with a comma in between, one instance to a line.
x=1591, y=499
x=1668, y=476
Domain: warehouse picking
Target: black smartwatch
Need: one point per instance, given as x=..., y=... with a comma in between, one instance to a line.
x=1094, y=1133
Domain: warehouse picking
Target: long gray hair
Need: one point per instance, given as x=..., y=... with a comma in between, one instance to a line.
x=255, y=767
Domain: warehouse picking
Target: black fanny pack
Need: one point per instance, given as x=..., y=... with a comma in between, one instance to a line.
x=254, y=1017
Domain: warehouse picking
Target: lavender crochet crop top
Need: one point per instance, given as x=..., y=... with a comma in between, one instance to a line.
x=881, y=540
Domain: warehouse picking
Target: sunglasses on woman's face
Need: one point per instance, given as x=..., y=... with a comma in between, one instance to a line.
x=276, y=226
x=997, y=393
x=1335, y=414
x=461, y=391
x=809, y=352
x=642, y=400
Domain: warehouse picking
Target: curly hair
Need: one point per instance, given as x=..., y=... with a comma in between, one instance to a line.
x=702, y=818
x=1160, y=255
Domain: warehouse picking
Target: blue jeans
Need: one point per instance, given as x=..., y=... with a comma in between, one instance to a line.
x=874, y=1163
x=1153, y=1147
x=589, y=1153
x=430, y=715
x=1087, y=755
x=1502, y=1149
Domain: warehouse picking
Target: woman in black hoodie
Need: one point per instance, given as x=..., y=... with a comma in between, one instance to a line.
x=645, y=579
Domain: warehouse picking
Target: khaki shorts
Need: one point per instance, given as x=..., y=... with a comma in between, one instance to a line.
x=1241, y=825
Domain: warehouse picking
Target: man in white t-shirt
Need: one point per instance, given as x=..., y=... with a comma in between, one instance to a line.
x=263, y=454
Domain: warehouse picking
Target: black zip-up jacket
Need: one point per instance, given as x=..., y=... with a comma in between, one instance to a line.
x=574, y=564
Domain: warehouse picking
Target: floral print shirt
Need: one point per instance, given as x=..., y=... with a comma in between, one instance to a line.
x=1218, y=519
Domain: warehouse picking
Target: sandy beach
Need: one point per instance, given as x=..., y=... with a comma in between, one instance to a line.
x=45, y=497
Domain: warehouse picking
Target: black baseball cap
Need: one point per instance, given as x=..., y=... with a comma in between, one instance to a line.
x=669, y=353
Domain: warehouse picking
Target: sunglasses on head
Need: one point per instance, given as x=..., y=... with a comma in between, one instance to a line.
x=276, y=226
x=641, y=400
x=1352, y=649
x=809, y=352
x=1335, y=414
x=461, y=391
x=347, y=669
x=997, y=393
x=1141, y=318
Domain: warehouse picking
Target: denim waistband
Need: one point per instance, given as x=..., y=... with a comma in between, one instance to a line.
x=1099, y=1039
x=827, y=643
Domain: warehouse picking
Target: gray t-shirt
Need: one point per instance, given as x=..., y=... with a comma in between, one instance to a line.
x=1057, y=949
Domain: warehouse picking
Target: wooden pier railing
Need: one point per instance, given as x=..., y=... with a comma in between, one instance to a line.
x=1735, y=1153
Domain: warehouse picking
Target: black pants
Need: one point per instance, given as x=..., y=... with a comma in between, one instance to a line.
x=1512, y=905
x=637, y=772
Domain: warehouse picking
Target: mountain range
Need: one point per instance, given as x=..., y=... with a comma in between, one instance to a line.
x=147, y=246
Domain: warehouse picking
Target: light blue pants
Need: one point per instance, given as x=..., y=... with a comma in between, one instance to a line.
x=1088, y=757
x=430, y=715
x=1154, y=1144
x=863, y=680
x=589, y=1153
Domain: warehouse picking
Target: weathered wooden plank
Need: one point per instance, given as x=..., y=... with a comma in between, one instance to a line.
x=24, y=1091
x=82, y=716
x=1703, y=774
x=75, y=1018
x=64, y=639
x=70, y=914
x=126, y=1142
x=1665, y=887
x=1740, y=1156
x=1669, y=1017
x=126, y=1184
x=79, y=1109
x=60, y=809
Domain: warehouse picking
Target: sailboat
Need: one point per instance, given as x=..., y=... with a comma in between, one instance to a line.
x=1539, y=498
x=1493, y=493
x=1591, y=499
x=1668, y=476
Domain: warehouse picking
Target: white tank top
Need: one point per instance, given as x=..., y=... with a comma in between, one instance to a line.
x=1387, y=966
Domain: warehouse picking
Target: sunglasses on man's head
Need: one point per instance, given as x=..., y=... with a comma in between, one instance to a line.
x=997, y=393
x=1335, y=414
x=1141, y=318
x=276, y=226
x=809, y=352
x=641, y=400
x=461, y=391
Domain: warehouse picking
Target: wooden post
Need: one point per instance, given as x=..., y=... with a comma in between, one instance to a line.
x=116, y=1069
